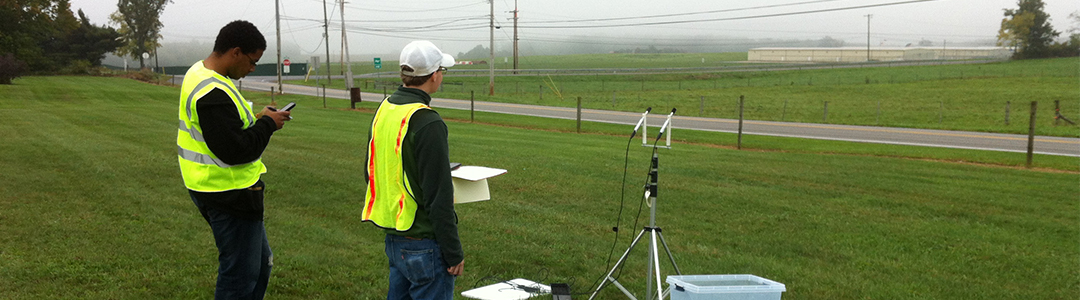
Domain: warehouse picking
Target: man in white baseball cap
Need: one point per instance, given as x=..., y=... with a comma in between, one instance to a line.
x=416, y=211
x=424, y=59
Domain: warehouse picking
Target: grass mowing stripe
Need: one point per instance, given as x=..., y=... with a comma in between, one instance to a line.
x=92, y=207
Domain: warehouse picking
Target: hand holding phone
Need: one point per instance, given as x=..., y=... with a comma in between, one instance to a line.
x=289, y=107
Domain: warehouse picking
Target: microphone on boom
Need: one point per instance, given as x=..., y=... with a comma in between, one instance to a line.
x=640, y=121
x=666, y=124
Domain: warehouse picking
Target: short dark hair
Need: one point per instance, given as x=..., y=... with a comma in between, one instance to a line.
x=241, y=34
x=413, y=80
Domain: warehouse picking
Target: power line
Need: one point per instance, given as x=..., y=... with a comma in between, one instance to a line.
x=689, y=13
x=291, y=30
x=731, y=18
x=414, y=10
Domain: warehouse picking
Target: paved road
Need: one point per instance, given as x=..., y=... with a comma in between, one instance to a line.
x=866, y=134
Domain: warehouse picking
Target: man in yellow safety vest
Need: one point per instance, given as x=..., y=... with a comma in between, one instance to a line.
x=219, y=148
x=409, y=191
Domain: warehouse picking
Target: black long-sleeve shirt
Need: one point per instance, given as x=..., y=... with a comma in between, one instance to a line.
x=223, y=130
x=425, y=158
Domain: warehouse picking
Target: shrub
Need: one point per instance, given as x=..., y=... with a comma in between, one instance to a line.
x=77, y=67
x=10, y=68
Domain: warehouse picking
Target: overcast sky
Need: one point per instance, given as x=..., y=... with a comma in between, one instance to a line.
x=384, y=26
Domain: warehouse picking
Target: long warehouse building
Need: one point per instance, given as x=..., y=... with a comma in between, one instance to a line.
x=855, y=54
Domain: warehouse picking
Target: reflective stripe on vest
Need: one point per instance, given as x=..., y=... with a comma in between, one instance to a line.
x=201, y=169
x=389, y=202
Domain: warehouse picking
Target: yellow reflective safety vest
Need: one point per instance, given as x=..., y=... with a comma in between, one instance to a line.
x=389, y=202
x=201, y=169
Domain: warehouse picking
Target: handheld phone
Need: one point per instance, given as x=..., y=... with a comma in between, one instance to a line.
x=289, y=107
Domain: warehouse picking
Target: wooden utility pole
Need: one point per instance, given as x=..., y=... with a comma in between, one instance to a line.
x=345, y=53
x=491, y=44
x=868, y=37
x=326, y=34
x=515, y=37
x=277, y=20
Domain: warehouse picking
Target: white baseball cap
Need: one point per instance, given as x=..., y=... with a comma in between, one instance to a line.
x=424, y=58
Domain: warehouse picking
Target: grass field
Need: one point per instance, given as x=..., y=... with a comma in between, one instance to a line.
x=577, y=61
x=92, y=207
x=977, y=97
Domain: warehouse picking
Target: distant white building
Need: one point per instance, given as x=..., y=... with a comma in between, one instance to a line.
x=855, y=54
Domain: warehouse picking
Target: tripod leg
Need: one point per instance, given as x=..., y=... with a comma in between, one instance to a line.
x=662, y=240
x=616, y=267
x=655, y=258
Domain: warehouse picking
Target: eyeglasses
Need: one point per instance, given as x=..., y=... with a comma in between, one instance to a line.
x=442, y=69
x=253, y=61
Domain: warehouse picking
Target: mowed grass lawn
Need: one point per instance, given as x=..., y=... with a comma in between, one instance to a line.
x=92, y=207
x=987, y=97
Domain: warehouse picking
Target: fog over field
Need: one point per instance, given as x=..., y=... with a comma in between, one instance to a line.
x=380, y=28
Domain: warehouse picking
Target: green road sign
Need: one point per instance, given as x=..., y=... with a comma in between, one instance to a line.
x=378, y=63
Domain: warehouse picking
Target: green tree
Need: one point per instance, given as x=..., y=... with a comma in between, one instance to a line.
x=1074, y=30
x=23, y=25
x=54, y=43
x=1028, y=30
x=140, y=27
x=92, y=42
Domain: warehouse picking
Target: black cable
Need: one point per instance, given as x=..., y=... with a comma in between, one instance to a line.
x=642, y=201
x=492, y=278
x=618, y=220
x=622, y=200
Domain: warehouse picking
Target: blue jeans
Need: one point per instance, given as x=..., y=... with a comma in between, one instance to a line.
x=417, y=271
x=244, y=257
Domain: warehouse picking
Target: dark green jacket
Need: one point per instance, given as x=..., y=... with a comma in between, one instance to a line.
x=426, y=160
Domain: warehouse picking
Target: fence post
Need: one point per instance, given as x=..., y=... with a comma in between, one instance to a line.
x=879, y=112
x=472, y=106
x=324, y=95
x=383, y=92
x=1031, y=133
x=1057, y=111
x=783, y=114
x=825, y=115
x=1007, y=112
x=541, y=92
x=739, y=145
x=702, y=110
x=941, y=112
x=579, y=114
x=272, y=101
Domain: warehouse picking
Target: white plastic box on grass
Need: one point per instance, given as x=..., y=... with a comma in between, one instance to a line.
x=724, y=287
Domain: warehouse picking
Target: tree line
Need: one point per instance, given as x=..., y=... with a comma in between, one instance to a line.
x=1027, y=29
x=46, y=37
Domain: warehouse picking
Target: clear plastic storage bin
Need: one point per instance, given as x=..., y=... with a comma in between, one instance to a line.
x=724, y=287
